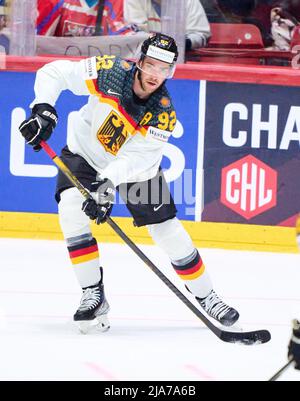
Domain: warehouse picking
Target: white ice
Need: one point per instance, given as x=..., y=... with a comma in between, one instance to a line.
x=153, y=335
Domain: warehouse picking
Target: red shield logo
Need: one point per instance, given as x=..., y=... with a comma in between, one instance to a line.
x=249, y=187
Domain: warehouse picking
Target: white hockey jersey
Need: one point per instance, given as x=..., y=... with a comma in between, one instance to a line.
x=119, y=135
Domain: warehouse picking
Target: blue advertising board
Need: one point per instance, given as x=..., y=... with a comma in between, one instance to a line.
x=27, y=179
x=251, y=154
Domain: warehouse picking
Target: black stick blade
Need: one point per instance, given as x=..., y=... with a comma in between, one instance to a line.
x=246, y=338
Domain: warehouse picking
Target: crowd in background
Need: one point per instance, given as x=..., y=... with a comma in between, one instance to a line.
x=276, y=19
x=106, y=17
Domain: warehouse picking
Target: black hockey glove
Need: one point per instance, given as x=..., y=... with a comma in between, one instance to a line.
x=100, y=206
x=40, y=125
x=294, y=345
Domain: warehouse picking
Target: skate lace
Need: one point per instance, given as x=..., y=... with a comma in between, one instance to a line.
x=214, y=306
x=90, y=299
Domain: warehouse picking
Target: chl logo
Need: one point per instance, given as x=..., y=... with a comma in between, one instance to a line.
x=112, y=133
x=249, y=187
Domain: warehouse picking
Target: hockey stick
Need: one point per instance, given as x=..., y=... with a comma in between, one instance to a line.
x=247, y=338
x=283, y=369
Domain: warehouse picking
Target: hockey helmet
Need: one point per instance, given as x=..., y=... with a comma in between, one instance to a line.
x=163, y=48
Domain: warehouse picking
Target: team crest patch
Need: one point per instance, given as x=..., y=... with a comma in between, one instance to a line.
x=125, y=65
x=165, y=102
x=113, y=133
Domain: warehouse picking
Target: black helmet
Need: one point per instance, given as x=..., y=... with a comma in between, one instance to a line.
x=161, y=47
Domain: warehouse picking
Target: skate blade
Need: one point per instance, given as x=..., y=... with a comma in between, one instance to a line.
x=99, y=324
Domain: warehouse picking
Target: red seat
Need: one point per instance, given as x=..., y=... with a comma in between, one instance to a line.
x=235, y=36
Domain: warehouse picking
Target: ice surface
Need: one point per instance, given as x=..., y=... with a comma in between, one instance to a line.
x=153, y=335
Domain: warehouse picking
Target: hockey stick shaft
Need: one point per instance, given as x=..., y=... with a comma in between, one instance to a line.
x=281, y=371
x=245, y=338
x=64, y=169
x=61, y=165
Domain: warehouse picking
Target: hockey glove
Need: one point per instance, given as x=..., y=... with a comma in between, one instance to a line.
x=99, y=207
x=294, y=345
x=40, y=125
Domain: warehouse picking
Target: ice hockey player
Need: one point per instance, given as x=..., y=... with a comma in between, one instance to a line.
x=117, y=142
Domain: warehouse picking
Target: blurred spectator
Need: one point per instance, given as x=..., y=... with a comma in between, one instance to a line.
x=283, y=24
x=290, y=6
x=3, y=16
x=146, y=15
x=81, y=17
x=278, y=18
x=273, y=17
x=4, y=41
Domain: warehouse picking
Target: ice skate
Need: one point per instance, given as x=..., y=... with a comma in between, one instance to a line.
x=92, y=312
x=218, y=310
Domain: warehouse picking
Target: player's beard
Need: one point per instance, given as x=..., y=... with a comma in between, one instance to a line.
x=139, y=76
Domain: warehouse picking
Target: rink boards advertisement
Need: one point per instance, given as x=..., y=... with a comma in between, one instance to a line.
x=28, y=179
x=234, y=157
x=251, y=154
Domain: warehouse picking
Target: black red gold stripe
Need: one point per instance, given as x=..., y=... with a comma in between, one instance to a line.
x=191, y=270
x=84, y=252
